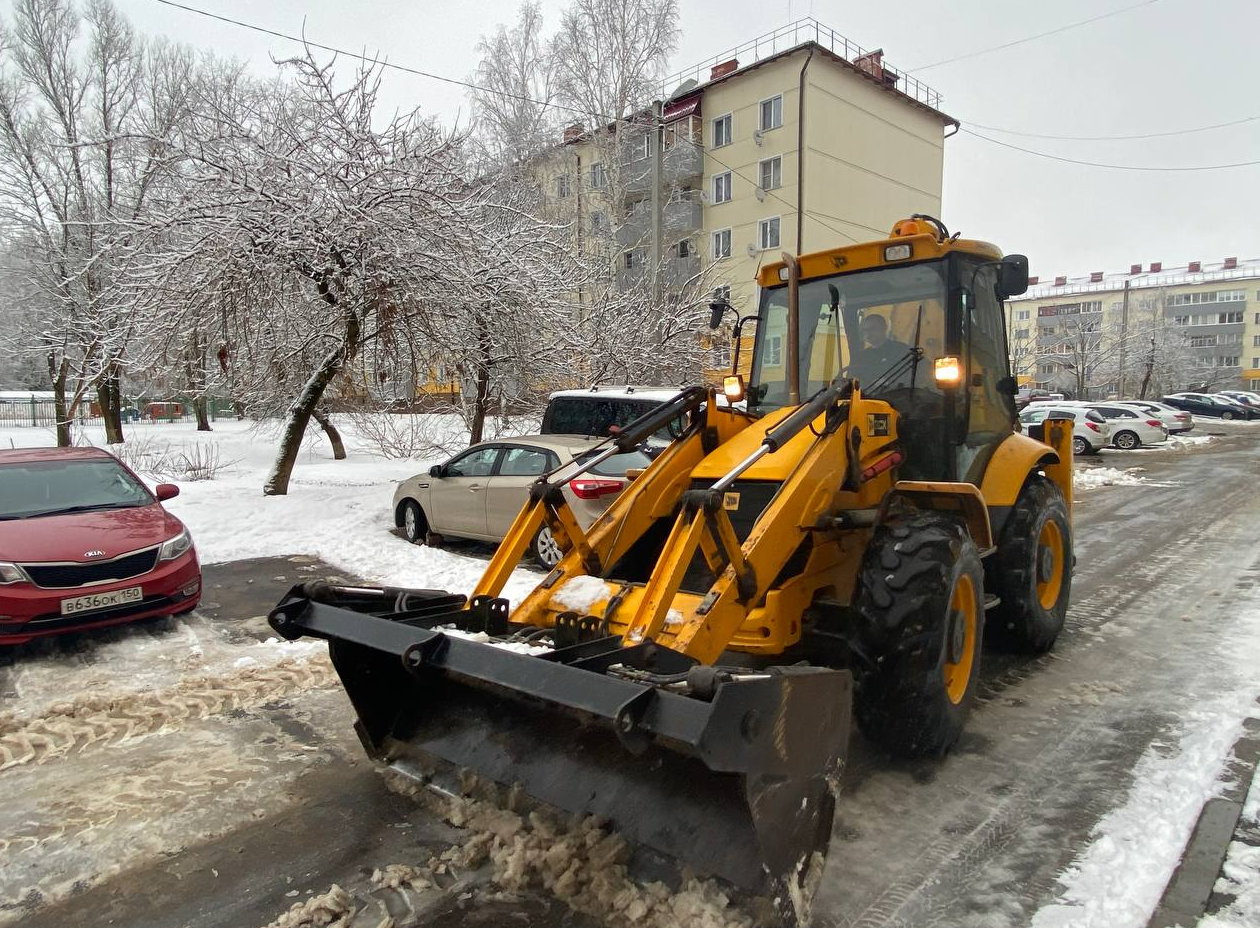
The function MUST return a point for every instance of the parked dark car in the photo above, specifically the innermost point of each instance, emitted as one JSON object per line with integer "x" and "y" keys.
{"x": 85, "y": 544}
{"x": 1203, "y": 405}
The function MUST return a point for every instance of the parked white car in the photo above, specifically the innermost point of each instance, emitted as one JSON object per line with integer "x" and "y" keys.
{"x": 1175, "y": 420}
{"x": 1131, "y": 427}
{"x": 1090, "y": 432}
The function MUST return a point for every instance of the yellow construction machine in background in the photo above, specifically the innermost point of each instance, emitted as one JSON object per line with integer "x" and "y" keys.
{"x": 838, "y": 536}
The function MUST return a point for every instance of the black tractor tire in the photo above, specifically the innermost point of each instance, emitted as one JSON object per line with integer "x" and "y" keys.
{"x": 921, "y": 600}
{"x": 1031, "y": 571}
{"x": 1080, "y": 446}
{"x": 1126, "y": 440}
{"x": 415, "y": 524}
{"x": 544, "y": 548}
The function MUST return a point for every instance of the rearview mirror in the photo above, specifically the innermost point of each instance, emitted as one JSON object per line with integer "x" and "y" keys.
{"x": 717, "y": 308}
{"x": 436, "y": 471}
{"x": 165, "y": 491}
{"x": 1013, "y": 275}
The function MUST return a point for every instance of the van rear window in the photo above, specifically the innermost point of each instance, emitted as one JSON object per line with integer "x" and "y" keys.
{"x": 580, "y": 415}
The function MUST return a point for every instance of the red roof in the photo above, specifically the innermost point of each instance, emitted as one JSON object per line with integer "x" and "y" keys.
{"x": 27, "y": 455}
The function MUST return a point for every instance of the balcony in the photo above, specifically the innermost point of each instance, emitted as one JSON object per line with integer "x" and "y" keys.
{"x": 682, "y": 162}
{"x": 675, "y": 273}
{"x": 680, "y": 217}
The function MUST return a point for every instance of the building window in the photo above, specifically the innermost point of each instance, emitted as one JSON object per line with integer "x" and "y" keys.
{"x": 722, "y": 243}
{"x": 630, "y": 260}
{"x": 1225, "y": 318}
{"x": 1046, "y": 369}
{"x": 720, "y": 356}
{"x": 562, "y": 186}
{"x": 1021, "y": 334}
{"x": 722, "y": 187}
{"x": 770, "y": 173}
{"x": 771, "y": 113}
{"x": 768, "y": 233}
{"x": 1024, "y": 314}
{"x": 1093, "y": 306}
{"x": 599, "y": 224}
{"x": 683, "y": 248}
{"x": 643, "y": 149}
{"x": 598, "y": 178}
{"x": 722, "y": 293}
{"x": 721, "y": 131}
{"x": 1255, "y": 384}
{"x": 1255, "y": 341}
{"x": 1202, "y": 341}
{"x": 1228, "y": 361}
{"x": 1255, "y": 362}
{"x": 774, "y": 351}
{"x": 1258, "y": 314}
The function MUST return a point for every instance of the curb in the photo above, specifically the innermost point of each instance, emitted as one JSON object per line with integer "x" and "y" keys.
{"x": 1186, "y": 897}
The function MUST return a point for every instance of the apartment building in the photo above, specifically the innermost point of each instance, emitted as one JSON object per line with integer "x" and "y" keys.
{"x": 798, "y": 140}
{"x": 1197, "y": 326}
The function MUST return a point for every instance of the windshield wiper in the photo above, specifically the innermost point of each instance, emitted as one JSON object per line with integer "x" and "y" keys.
{"x": 86, "y": 508}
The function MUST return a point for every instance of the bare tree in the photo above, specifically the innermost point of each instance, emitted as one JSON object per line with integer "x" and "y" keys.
{"x": 513, "y": 115}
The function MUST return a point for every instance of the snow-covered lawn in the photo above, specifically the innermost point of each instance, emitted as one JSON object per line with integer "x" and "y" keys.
{"x": 338, "y": 511}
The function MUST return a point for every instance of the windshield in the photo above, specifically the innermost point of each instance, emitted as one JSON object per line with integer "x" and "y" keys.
{"x": 862, "y": 325}
{"x": 580, "y": 415}
{"x": 49, "y": 487}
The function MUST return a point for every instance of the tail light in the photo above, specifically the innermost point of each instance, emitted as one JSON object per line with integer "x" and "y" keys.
{"x": 1154, "y": 423}
{"x": 1092, "y": 426}
{"x": 593, "y": 489}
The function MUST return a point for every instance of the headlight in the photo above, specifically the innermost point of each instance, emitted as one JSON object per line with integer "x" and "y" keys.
{"x": 176, "y": 546}
{"x": 10, "y": 573}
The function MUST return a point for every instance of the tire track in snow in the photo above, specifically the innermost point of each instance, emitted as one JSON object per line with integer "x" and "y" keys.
{"x": 111, "y": 719}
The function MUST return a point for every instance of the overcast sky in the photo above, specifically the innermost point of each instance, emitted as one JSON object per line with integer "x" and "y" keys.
{"x": 1167, "y": 65}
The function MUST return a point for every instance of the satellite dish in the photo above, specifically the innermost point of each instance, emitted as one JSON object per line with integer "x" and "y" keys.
{"x": 752, "y": 250}
{"x": 761, "y": 194}
{"x": 688, "y": 85}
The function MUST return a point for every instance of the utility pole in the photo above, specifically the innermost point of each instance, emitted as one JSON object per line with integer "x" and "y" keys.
{"x": 657, "y": 139}
{"x": 1124, "y": 336}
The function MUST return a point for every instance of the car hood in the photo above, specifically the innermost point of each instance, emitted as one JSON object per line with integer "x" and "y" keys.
{"x": 69, "y": 537}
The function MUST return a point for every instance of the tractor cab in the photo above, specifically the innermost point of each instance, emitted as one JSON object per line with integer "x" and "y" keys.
{"x": 916, "y": 320}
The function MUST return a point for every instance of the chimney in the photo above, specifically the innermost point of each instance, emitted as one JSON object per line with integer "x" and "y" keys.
{"x": 1095, "y": 277}
{"x": 1157, "y": 266}
{"x": 723, "y": 69}
{"x": 1195, "y": 267}
{"x": 573, "y": 133}
{"x": 1033, "y": 280}
{"x": 872, "y": 63}
{"x": 1135, "y": 269}
{"x": 1231, "y": 264}
{"x": 1060, "y": 281}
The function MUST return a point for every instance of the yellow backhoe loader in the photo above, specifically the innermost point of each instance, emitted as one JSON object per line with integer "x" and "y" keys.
{"x": 834, "y": 538}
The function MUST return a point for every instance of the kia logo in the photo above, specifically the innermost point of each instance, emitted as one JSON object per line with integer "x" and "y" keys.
{"x": 93, "y": 553}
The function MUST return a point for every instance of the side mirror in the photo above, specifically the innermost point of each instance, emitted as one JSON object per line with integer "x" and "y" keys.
{"x": 716, "y": 312}
{"x": 1008, "y": 385}
{"x": 165, "y": 491}
{"x": 1013, "y": 275}
{"x": 436, "y": 471}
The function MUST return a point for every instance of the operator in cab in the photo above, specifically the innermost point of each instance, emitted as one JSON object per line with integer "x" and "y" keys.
{"x": 879, "y": 355}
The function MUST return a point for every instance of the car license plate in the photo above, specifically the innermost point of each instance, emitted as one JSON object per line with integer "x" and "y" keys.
{"x": 94, "y": 601}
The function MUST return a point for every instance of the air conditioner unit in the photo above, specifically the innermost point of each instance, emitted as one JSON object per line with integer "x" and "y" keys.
{"x": 757, "y": 136}
{"x": 761, "y": 193}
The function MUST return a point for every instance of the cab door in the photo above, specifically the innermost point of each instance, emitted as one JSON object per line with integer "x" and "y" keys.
{"x": 457, "y": 499}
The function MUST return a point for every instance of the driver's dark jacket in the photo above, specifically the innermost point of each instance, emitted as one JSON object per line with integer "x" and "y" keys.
{"x": 869, "y": 364}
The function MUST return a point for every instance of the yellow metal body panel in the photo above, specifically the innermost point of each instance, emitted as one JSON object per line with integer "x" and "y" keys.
{"x": 965, "y": 499}
{"x": 1015, "y": 458}
{"x": 867, "y": 255}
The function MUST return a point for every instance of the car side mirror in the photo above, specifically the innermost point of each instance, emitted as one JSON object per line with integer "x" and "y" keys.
{"x": 1013, "y": 275}
{"x": 1008, "y": 385}
{"x": 437, "y": 471}
{"x": 165, "y": 491}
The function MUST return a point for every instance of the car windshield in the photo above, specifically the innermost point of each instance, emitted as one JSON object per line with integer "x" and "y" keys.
{"x": 44, "y": 488}
{"x": 861, "y": 324}
{"x": 618, "y": 464}
{"x": 595, "y": 415}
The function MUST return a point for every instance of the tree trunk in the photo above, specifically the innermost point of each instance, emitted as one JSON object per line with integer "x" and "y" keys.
{"x": 109, "y": 396}
{"x": 239, "y": 408}
{"x": 58, "y": 374}
{"x": 277, "y": 483}
{"x": 195, "y": 373}
{"x": 482, "y": 395}
{"x": 199, "y": 409}
{"x": 334, "y": 437}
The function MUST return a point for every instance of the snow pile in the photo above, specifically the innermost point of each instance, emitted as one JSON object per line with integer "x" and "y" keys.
{"x": 581, "y": 594}
{"x": 580, "y": 863}
{"x": 519, "y": 647}
{"x": 1241, "y": 881}
{"x": 1188, "y": 442}
{"x": 1089, "y": 478}
{"x": 327, "y": 908}
{"x": 673, "y": 617}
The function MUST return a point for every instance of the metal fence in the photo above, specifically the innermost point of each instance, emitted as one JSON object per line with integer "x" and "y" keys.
{"x": 35, "y": 413}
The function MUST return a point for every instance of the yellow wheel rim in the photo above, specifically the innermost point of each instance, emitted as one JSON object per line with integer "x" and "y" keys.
{"x": 960, "y": 639}
{"x": 1049, "y": 564}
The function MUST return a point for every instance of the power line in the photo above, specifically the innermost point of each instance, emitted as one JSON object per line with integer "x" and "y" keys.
{"x": 1033, "y": 38}
{"x": 1114, "y": 167}
{"x": 469, "y": 85}
{"x": 1115, "y": 138}
{"x": 301, "y": 40}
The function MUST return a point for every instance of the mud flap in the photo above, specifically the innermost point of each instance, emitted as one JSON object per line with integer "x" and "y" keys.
{"x": 740, "y": 787}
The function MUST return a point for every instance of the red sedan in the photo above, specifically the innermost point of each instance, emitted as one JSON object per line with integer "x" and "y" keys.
{"x": 85, "y": 544}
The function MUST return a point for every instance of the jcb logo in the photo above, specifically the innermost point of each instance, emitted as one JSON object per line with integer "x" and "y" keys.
{"x": 730, "y": 501}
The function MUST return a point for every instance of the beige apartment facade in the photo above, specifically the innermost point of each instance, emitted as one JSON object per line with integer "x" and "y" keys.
{"x": 798, "y": 141}
{"x": 1198, "y": 324}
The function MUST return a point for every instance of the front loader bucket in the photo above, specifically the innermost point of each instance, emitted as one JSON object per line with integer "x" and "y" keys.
{"x": 740, "y": 786}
